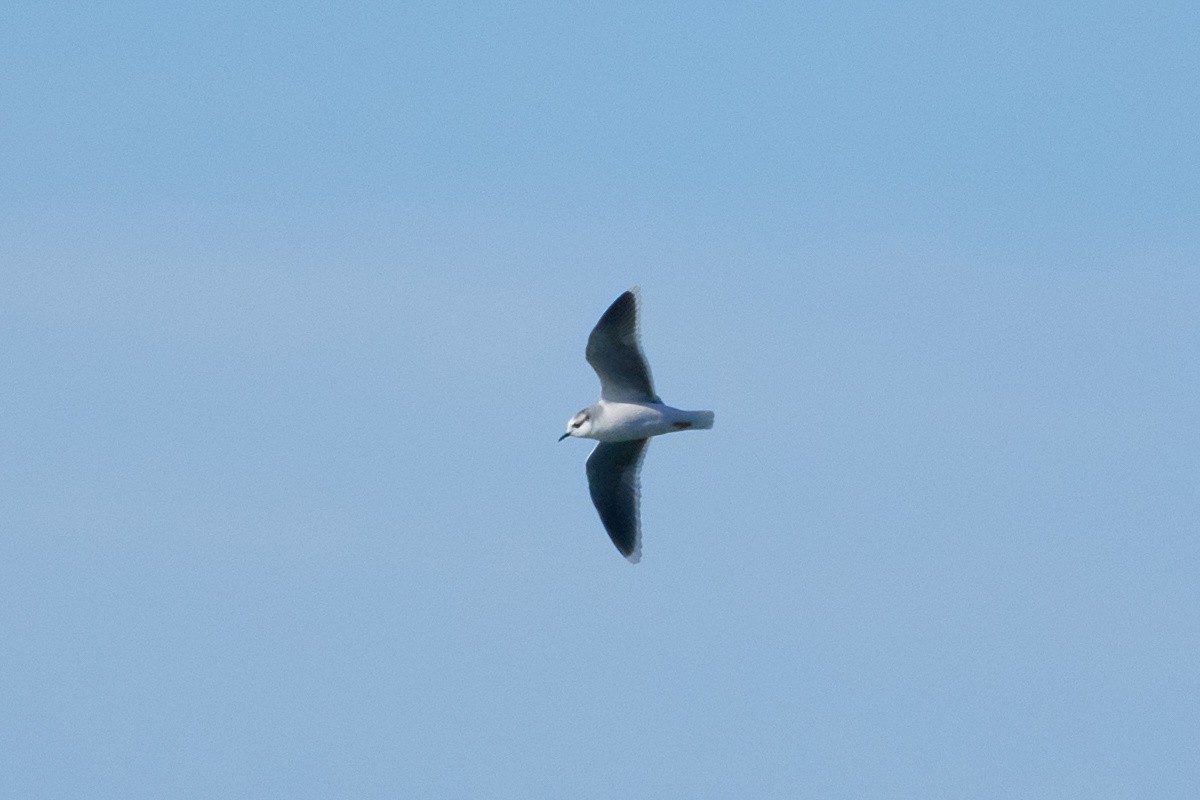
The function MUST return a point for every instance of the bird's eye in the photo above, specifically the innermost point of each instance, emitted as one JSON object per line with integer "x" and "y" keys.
{"x": 576, "y": 424}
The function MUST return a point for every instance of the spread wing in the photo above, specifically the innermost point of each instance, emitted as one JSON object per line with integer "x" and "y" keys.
{"x": 614, "y": 352}
{"x": 612, "y": 471}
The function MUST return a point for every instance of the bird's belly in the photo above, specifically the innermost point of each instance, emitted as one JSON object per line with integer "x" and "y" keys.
{"x": 622, "y": 422}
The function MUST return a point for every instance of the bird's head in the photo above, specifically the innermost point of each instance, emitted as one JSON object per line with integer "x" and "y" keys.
{"x": 579, "y": 425}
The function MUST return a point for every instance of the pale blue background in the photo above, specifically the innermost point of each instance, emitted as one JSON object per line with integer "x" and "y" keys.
{"x": 293, "y": 301}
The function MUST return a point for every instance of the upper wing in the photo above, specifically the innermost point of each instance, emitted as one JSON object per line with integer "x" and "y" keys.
{"x": 612, "y": 471}
{"x": 614, "y": 352}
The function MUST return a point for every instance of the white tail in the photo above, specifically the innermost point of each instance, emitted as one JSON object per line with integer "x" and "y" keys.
{"x": 701, "y": 420}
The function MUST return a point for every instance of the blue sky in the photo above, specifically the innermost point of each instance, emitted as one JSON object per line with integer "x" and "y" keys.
{"x": 293, "y": 301}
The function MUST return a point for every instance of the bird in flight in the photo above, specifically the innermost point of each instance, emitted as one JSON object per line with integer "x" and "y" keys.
{"x": 628, "y": 414}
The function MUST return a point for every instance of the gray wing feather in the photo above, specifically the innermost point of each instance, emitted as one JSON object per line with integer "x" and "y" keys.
{"x": 614, "y": 352}
{"x": 612, "y": 471}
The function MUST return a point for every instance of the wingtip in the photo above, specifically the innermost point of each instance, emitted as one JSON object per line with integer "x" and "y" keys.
{"x": 634, "y": 293}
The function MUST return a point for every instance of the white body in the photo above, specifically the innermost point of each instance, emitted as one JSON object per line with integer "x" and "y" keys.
{"x": 623, "y": 422}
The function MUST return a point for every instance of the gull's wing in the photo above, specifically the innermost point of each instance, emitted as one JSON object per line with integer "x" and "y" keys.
{"x": 614, "y": 352}
{"x": 612, "y": 471}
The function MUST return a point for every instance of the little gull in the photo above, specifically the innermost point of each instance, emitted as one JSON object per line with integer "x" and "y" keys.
{"x": 628, "y": 414}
